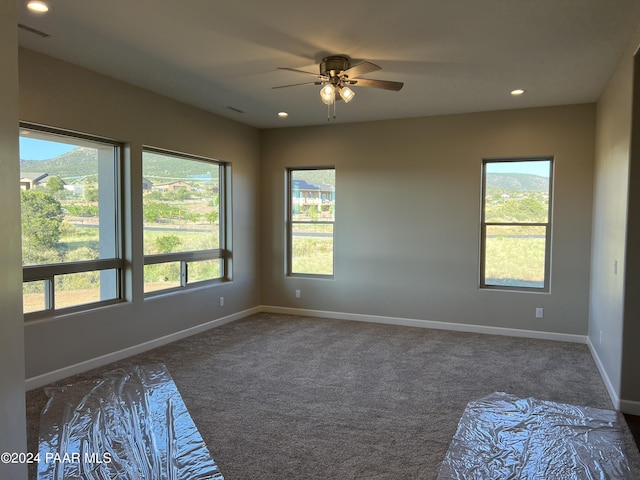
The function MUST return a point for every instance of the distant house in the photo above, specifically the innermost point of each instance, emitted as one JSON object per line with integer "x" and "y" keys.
{"x": 76, "y": 189}
{"x": 147, "y": 185}
{"x": 30, "y": 180}
{"x": 304, "y": 193}
{"x": 171, "y": 186}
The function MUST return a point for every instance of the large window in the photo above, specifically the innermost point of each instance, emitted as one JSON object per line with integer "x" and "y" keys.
{"x": 184, "y": 208}
{"x": 516, "y": 224}
{"x": 71, "y": 235}
{"x": 311, "y": 218}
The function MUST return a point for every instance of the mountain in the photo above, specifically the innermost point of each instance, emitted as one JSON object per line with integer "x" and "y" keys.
{"x": 82, "y": 161}
{"x": 162, "y": 168}
{"x": 317, "y": 177}
{"x": 78, "y": 162}
{"x": 523, "y": 182}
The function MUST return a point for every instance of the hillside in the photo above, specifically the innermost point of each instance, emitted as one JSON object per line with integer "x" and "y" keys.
{"x": 83, "y": 161}
{"x": 78, "y": 162}
{"x": 317, "y": 177}
{"x": 163, "y": 169}
{"x": 520, "y": 182}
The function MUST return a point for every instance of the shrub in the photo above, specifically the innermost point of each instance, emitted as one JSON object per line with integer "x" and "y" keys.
{"x": 167, "y": 243}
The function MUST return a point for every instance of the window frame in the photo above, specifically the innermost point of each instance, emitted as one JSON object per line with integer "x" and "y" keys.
{"x": 548, "y": 225}
{"x": 223, "y": 252}
{"x": 289, "y": 224}
{"x": 48, "y": 272}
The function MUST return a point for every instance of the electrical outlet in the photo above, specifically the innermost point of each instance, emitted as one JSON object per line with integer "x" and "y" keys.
{"x": 539, "y": 312}
{"x": 298, "y": 294}
{"x": 615, "y": 267}
{"x": 600, "y": 339}
{"x": 222, "y": 301}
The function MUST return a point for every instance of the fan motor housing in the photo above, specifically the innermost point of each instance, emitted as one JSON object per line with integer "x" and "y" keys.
{"x": 335, "y": 63}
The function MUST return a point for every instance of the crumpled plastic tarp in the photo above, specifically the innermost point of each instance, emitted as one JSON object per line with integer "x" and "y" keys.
{"x": 505, "y": 437}
{"x": 128, "y": 424}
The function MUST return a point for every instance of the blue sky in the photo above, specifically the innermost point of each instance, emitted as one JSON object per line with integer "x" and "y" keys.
{"x": 532, "y": 167}
{"x": 33, "y": 149}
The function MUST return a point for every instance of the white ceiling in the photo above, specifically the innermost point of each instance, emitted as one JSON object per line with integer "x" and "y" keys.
{"x": 454, "y": 56}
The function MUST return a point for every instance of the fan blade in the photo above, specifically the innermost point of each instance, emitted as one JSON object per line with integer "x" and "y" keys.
{"x": 361, "y": 69}
{"x": 301, "y": 71}
{"x": 385, "y": 84}
{"x": 296, "y": 84}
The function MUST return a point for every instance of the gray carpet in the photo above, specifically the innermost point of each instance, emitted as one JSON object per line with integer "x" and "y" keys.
{"x": 289, "y": 397}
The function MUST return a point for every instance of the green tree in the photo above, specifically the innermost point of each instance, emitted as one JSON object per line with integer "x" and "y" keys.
{"x": 526, "y": 210}
{"x": 182, "y": 194}
{"x": 157, "y": 212}
{"x": 313, "y": 213}
{"x": 42, "y": 218}
{"x": 91, "y": 194}
{"x": 67, "y": 229}
{"x": 167, "y": 243}
{"x": 55, "y": 184}
{"x": 212, "y": 216}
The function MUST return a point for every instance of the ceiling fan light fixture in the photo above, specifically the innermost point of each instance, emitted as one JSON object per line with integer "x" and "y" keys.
{"x": 328, "y": 93}
{"x": 347, "y": 94}
{"x": 337, "y": 75}
{"x": 37, "y": 6}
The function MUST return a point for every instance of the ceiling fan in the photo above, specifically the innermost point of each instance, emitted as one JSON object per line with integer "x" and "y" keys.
{"x": 337, "y": 75}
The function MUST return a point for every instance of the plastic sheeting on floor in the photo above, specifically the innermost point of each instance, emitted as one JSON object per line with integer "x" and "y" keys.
{"x": 127, "y": 424}
{"x": 505, "y": 437}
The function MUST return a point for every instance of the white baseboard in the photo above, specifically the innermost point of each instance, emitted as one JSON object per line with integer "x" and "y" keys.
{"x": 627, "y": 406}
{"x": 46, "y": 378}
{"x": 613, "y": 394}
{"x": 630, "y": 406}
{"x": 412, "y": 322}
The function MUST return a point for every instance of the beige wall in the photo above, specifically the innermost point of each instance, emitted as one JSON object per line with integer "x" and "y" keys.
{"x": 607, "y": 290}
{"x": 407, "y": 216}
{"x": 12, "y": 409}
{"x": 630, "y": 389}
{"x": 62, "y": 95}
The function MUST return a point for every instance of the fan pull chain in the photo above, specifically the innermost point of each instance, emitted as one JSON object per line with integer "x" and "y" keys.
{"x": 329, "y": 110}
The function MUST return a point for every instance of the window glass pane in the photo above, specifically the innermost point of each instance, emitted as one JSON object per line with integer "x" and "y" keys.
{"x": 161, "y": 276}
{"x": 515, "y": 256}
{"x": 181, "y": 204}
{"x": 33, "y": 296}
{"x": 312, "y": 199}
{"x": 70, "y": 189}
{"x": 68, "y": 199}
{"x": 312, "y": 248}
{"x": 87, "y": 287}
{"x": 517, "y": 192}
{"x": 204, "y": 270}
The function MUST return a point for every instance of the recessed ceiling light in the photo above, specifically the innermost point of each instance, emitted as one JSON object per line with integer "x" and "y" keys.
{"x": 517, "y": 92}
{"x": 37, "y": 6}
{"x": 283, "y": 114}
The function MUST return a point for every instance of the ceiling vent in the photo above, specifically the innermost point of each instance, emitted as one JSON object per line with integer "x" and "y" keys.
{"x": 35, "y": 31}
